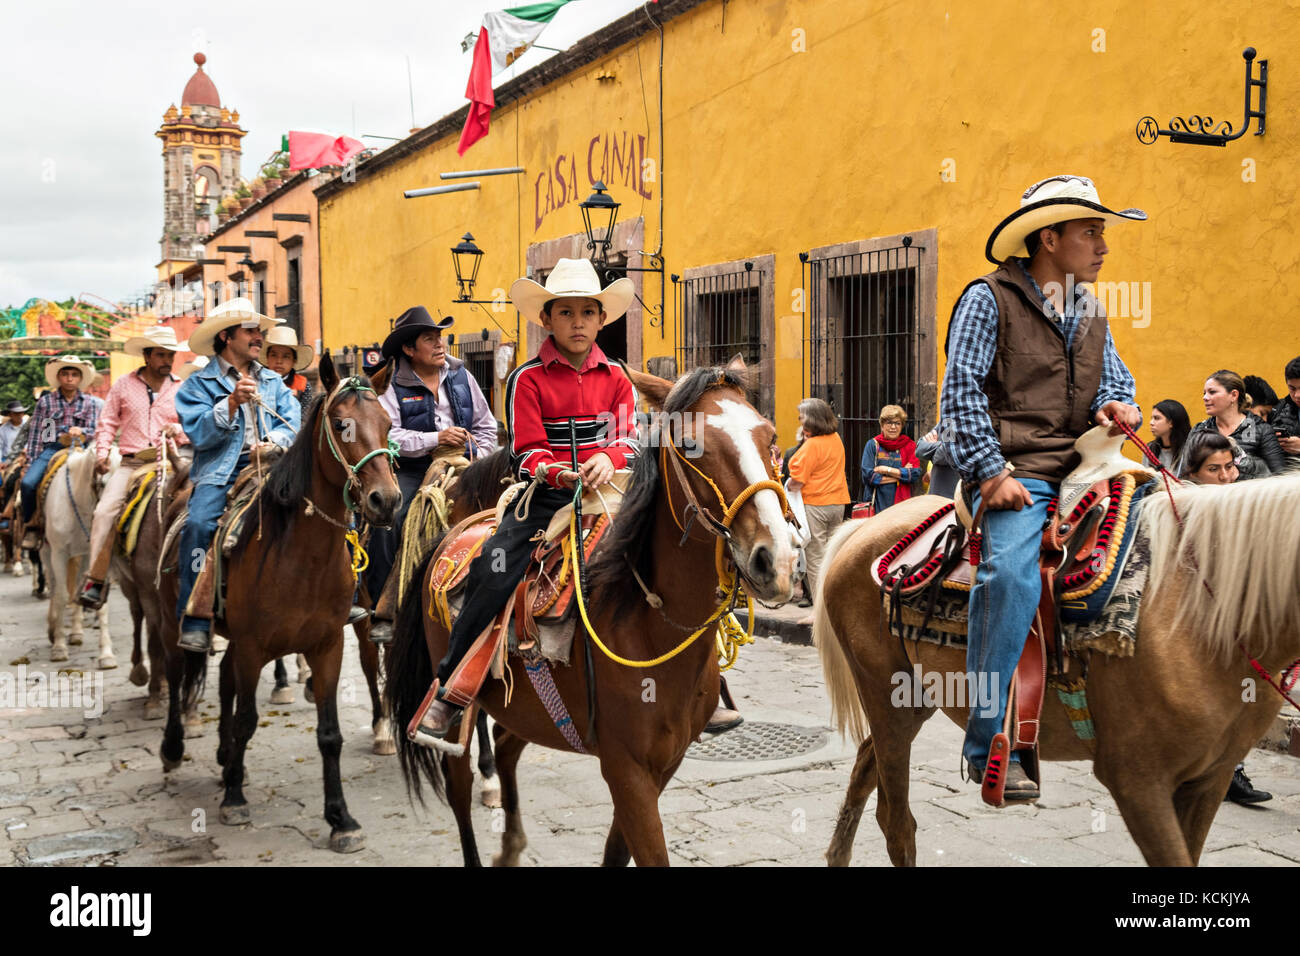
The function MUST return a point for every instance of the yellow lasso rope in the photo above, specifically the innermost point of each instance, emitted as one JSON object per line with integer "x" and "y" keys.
{"x": 360, "y": 560}
{"x": 728, "y": 645}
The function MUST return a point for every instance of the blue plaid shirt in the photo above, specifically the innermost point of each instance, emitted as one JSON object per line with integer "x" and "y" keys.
{"x": 60, "y": 416}
{"x": 972, "y": 345}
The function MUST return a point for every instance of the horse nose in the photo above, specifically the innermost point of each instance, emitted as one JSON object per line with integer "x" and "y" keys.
{"x": 762, "y": 567}
{"x": 383, "y": 504}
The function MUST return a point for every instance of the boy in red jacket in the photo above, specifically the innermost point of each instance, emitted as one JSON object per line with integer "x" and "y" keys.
{"x": 570, "y": 379}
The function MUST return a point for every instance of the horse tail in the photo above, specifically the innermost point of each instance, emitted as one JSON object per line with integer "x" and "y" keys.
{"x": 847, "y": 712}
{"x": 410, "y": 674}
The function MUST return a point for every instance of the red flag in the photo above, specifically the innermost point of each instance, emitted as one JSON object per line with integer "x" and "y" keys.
{"x": 312, "y": 150}
{"x": 479, "y": 93}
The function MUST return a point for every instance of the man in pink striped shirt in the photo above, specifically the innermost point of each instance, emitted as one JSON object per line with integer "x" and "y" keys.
{"x": 139, "y": 410}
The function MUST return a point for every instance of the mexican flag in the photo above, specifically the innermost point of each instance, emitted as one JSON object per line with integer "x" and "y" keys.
{"x": 311, "y": 149}
{"x": 502, "y": 39}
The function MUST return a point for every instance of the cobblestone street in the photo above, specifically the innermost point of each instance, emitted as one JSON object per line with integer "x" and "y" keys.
{"x": 78, "y": 789}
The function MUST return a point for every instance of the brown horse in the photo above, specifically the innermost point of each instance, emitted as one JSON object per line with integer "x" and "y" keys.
{"x": 643, "y": 718}
{"x": 290, "y": 582}
{"x": 1171, "y": 722}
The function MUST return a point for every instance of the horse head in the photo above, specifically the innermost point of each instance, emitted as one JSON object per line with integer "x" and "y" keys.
{"x": 355, "y": 427}
{"x": 715, "y": 451}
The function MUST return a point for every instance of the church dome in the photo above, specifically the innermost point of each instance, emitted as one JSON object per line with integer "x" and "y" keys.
{"x": 200, "y": 90}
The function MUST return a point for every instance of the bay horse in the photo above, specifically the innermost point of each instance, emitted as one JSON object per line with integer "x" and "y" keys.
{"x": 10, "y": 539}
{"x": 137, "y": 575}
{"x": 644, "y": 717}
{"x": 69, "y": 506}
{"x": 1172, "y": 721}
{"x": 290, "y": 584}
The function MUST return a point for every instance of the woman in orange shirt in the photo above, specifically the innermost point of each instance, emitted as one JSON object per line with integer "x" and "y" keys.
{"x": 817, "y": 469}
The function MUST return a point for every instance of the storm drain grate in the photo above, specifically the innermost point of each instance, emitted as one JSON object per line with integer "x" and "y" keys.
{"x": 759, "y": 741}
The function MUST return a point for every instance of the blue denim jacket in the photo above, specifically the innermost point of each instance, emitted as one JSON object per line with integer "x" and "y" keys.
{"x": 217, "y": 445}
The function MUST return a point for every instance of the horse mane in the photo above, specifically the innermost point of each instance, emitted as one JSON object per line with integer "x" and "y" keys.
{"x": 480, "y": 482}
{"x": 607, "y": 576}
{"x": 1243, "y": 540}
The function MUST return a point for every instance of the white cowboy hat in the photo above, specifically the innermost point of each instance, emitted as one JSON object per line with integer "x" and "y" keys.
{"x": 88, "y": 373}
{"x": 227, "y": 315}
{"x": 284, "y": 336}
{"x": 1046, "y": 203}
{"x": 571, "y": 277}
{"x": 189, "y": 368}
{"x": 158, "y": 337}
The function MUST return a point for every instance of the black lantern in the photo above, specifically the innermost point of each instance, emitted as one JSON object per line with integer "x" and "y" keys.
{"x": 466, "y": 258}
{"x": 599, "y": 212}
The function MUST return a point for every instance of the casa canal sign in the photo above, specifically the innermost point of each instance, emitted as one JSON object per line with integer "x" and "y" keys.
{"x": 616, "y": 157}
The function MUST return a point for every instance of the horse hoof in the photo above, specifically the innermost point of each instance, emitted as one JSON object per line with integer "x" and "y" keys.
{"x": 347, "y": 841}
{"x": 235, "y": 815}
{"x": 154, "y": 710}
{"x": 170, "y": 765}
{"x": 59, "y": 652}
{"x": 75, "y": 640}
{"x": 282, "y": 695}
{"x": 491, "y": 795}
{"x": 108, "y": 663}
{"x": 193, "y": 728}
{"x": 139, "y": 675}
{"x": 385, "y": 746}
{"x": 304, "y": 672}
{"x": 307, "y": 692}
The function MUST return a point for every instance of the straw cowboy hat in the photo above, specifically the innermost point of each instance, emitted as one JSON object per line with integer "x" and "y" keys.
{"x": 408, "y": 326}
{"x": 571, "y": 277}
{"x": 158, "y": 337}
{"x": 225, "y": 316}
{"x": 1046, "y": 203}
{"x": 88, "y": 373}
{"x": 189, "y": 368}
{"x": 284, "y": 336}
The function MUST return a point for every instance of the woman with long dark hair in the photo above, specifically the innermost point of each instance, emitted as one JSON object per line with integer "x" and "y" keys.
{"x": 1170, "y": 425}
{"x": 1226, "y": 400}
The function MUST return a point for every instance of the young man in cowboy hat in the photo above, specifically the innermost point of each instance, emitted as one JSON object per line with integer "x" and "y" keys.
{"x": 437, "y": 409}
{"x": 284, "y": 356}
{"x": 64, "y": 410}
{"x": 14, "y": 418}
{"x": 139, "y": 410}
{"x": 1031, "y": 367}
{"x": 570, "y": 380}
{"x": 229, "y": 408}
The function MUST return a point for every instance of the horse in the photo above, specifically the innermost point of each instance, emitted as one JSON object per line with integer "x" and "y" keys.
{"x": 682, "y": 553}
{"x": 69, "y": 504}
{"x": 1171, "y": 722}
{"x": 290, "y": 582}
{"x": 137, "y": 576}
{"x": 10, "y": 540}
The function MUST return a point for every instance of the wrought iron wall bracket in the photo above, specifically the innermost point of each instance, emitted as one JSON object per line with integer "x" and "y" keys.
{"x": 1202, "y": 130}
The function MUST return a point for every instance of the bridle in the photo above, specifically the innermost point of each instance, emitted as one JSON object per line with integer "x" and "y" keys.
{"x": 346, "y": 386}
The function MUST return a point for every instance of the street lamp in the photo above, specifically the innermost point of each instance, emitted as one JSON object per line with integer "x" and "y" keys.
{"x": 599, "y": 212}
{"x": 465, "y": 257}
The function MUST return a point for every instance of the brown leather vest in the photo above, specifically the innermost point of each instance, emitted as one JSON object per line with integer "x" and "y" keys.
{"x": 1041, "y": 393}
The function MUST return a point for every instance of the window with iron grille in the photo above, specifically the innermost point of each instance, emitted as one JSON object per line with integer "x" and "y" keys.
{"x": 870, "y": 333}
{"x": 479, "y": 356}
{"x": 727, "y": 310}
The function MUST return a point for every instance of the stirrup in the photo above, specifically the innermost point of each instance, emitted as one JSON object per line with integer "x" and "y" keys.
{"x": 432, "y": 734}
{"x": 995, "y": 771}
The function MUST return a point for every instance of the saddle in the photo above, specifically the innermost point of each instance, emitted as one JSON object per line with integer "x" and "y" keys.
{"x": 139, "y": 493}
{"x": 58, "y": 461}
{"x": 542, "y": 600}
{"x": 1083, "y": 543}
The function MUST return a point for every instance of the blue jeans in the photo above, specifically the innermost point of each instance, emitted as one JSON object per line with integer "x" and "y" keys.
{"x": 1002, "y": 607}
{"x": 32, "y": 480}
{"x": 207, "y": 502}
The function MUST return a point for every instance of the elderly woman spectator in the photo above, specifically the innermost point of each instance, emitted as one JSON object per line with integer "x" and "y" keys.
{"x": 1225, "y": 400}
{"x": 817, "y": 470}
{"x": 889, "y": 462}
{"x": 1170, "y": 426}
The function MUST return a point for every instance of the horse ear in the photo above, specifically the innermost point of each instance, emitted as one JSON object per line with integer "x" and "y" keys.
{"x": 650, "y": 387}
{"x": 737, "y": 363}
{"x": 379, "y": 381}
{"x": 329, "y": 375}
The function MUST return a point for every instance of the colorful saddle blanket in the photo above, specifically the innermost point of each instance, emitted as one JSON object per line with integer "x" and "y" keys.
{"x": 139, "y": 493}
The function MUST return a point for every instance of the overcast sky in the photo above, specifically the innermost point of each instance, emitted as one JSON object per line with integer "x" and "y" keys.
{"x": 83, "y": 87}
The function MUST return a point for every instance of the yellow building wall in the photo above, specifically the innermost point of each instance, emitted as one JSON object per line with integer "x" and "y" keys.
{"x": 794, "y": 125}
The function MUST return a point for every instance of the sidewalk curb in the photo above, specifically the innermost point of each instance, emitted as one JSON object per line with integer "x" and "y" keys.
{"x": 771, "y": 626}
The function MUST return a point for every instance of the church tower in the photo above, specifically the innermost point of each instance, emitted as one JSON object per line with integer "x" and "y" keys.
{"x": 201, "y": 152}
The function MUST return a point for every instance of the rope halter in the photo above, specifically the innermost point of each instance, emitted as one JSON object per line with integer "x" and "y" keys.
{"x": 350, "y": 385}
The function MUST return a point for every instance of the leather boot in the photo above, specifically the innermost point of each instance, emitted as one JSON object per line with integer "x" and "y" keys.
{"x": 93, "y": 594}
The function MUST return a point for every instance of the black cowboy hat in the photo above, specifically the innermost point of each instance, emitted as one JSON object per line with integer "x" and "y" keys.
{"x": 15, "y": 406}
{"x": 408, "y": 326}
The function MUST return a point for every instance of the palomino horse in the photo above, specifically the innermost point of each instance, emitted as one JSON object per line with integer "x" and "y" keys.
{"x": 69, "y": 506}
{"x": 639, "y": 744}
{"x": 1171, "y": 722}
{"x": 290, "y": 582}
{"x": 137, "y": 575}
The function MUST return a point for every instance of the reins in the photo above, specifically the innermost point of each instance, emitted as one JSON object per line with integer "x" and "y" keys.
{"x": 1292, "y": 669}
